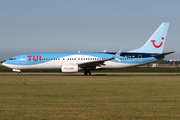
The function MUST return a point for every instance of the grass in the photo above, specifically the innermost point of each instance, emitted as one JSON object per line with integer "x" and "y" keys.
{"x": 98, "y": 98}
{"x": 93, "y": 74}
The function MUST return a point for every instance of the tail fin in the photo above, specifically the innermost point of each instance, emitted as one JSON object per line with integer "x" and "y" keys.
{"x": 156, "y": 42}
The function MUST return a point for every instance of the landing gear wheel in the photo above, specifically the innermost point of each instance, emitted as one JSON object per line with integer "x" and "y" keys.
{"x": 19, "y": 73}
{"x": 87, "y": 72}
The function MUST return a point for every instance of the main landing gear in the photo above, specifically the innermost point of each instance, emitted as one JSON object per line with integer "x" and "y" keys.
{"x": 87, "y": 72}
{"x": 20, "y": 73}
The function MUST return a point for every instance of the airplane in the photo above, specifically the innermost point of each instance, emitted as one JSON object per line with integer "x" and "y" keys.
{"x": 150, "y": 52}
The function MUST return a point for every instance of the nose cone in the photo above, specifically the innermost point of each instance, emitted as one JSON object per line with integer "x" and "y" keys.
{"x": 4, "y": 63}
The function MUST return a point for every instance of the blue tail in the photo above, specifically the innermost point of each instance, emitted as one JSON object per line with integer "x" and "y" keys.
{"x": 156, "y": 42}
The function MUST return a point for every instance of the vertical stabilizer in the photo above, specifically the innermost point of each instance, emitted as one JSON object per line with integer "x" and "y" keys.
{"x": 156, "y": 42}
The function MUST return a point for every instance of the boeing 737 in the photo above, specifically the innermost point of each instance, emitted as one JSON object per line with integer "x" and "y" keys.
{"x": 150, "y": 52}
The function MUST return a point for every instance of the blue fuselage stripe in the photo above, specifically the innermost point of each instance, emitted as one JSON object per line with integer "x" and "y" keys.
{"x": 39, "y": 58}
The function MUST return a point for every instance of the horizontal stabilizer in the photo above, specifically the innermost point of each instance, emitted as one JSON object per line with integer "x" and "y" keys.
{"x": 164, "y": 54}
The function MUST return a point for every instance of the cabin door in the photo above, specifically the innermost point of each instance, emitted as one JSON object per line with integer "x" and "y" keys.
{"x": 23, "y": 59}
{"x": 140, "y": 58}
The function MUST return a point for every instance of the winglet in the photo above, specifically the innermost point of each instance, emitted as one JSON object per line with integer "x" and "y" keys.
{"x": 118, "y": 53}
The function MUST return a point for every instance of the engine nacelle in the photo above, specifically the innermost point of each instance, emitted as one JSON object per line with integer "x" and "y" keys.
{"x": 69, "y": 68}
{"x": 16, "y": 70}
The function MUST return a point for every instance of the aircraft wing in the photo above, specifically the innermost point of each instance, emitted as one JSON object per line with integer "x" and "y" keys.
{"x": 93, "y": 64}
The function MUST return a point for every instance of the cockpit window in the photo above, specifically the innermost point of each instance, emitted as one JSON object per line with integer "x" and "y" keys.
{"x": 12, "y": 59}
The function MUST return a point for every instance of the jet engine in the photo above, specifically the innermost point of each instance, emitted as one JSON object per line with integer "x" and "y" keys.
{"x": 69, "y": 68}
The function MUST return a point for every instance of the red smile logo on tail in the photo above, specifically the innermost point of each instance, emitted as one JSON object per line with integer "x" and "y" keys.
{"x": 157, "y": 46}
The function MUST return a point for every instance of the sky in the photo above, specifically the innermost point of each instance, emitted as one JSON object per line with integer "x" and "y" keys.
{"x": 33, "y": 26}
